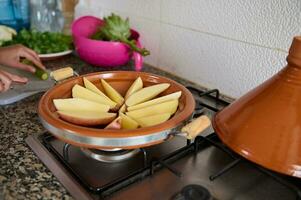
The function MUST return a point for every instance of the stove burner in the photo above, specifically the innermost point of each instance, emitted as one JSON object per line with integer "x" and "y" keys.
{"x": 110, "y": 156}
{"x": 193, "y": 192}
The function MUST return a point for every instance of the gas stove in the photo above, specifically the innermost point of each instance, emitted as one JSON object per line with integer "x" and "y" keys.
{"x": 176, "y": 169}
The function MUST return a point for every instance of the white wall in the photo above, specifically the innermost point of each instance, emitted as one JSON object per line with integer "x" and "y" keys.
{"x": 232, "y": 45}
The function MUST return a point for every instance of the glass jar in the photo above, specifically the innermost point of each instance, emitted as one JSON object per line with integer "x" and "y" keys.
{"x": 46, "y": 15}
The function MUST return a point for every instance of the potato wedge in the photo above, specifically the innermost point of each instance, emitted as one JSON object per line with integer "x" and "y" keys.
{"x": 112, "y": 93}
{"x": 122, "y": 109}
{"x": 172, "y": 96}
{"x": 137, "y": 85}
{"x": 83, "y": 93}
{"x": 87, "y": 118}
{"x": 146, "y": 94}
{"x": 90, "y": 86}
{"x": 79, "y": 105}
{"x": 153, "y": 119}
{"x": 166, "y": 107}
{"x": 127, "y": 122}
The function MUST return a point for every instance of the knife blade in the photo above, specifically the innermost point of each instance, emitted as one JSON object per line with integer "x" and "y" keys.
{"x": 33, "y": 86}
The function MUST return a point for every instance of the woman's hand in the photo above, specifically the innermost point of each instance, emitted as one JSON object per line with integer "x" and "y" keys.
{"x": 7, "y": 78}
{"x": 11, "y": 56}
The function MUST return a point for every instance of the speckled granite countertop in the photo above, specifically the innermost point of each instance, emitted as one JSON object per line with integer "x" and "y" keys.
{"x": 22, "y": 175}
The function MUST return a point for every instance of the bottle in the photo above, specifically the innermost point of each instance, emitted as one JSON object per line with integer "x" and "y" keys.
{"x": 46, "y": 15}
{"x": 15, "y": 13}
{"x": 56, "y": 16}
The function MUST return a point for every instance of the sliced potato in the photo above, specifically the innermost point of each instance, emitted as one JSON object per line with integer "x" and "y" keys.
{"x": 87, "y": 118}
{"x": 127, "y": 122}
{"x": 166, "y": 107}
{"x": 122, "y": 109}
{"x": 112, "y": 93}
{"x": 90, "y": 86}
{"x": 175, "y": 95}
{"x": 81, "y": 92}
{"x": 80, "y": 105}
{"x": 137, "y": 85}
{"x": 146, "y": 94}
{"x": 153, "y": 119}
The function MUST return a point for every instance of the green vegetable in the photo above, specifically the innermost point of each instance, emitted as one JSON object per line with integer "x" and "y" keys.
{"x": 42, "y": 74}
{"x": 42, "y": 42}
{"x": 117, "y": 29}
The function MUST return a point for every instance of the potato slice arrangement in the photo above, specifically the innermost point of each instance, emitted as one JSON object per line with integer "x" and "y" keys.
{"x": 140, "y": 107}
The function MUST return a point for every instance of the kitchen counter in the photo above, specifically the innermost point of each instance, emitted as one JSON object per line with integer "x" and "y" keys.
{"x": 22, "y": 175}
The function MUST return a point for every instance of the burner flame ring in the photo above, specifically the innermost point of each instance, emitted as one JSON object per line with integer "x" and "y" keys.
{"x": 111, "y": 155}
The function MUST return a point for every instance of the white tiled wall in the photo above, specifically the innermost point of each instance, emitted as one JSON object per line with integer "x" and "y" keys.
{"x": 231, "y": 45}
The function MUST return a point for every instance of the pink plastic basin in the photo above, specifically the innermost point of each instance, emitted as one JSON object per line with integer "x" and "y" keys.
{"x": 102, "y": 53}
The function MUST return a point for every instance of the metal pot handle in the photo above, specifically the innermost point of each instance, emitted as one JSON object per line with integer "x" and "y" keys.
{"x": 195, "y": 127}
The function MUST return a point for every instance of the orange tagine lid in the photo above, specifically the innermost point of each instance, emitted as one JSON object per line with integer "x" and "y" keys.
{"x": 264, "y": 125}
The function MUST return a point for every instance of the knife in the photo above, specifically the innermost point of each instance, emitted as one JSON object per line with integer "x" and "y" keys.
{"x": 33, "y": 86}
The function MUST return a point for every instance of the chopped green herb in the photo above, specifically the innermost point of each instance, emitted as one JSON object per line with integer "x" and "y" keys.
{"x": 42, "y": 42}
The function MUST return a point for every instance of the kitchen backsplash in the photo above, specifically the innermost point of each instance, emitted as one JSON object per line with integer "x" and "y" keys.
{"x": 230, "y": 45}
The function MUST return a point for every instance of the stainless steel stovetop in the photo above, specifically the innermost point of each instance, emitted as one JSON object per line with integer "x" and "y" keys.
{"x": 162, "y": 171}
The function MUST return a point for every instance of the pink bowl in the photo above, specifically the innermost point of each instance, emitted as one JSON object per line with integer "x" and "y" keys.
{"x": 101, "y": 53}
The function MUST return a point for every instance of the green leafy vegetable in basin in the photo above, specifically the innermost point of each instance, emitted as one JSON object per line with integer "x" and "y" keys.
{"x": 117, "y": 29}
{"x": 42, "y": 42}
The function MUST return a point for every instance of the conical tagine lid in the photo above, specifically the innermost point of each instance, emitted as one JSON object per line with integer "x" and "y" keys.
{"x": 264, "y": 125}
